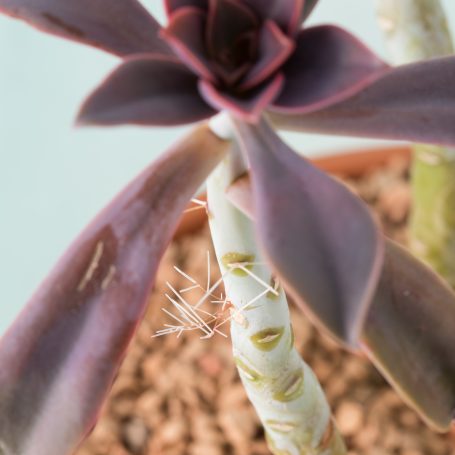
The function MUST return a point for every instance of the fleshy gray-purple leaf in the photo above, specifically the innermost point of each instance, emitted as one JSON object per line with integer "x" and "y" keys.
{"x": 288, "y": 14}
{"x": 328, "y": 65}
{"x": 60, "y": 357}
{"x": 241, "y": 197}
{"x": 409, "y": 334}
{"x": 122, "y": 27}
{"x": 226, "y": 22}
{"x": 172, "y": 6}
{"x": 308, "y": 7}
{"x": 185, "y": 33}
{"x": 414, "y": 102}
{"x": 274, "y": 48}
{"x": 307, "y": 224}
{"x": 146, "y": 90}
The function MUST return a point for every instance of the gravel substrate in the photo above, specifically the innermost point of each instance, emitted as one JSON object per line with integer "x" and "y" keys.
{"x": 179, "y": 396}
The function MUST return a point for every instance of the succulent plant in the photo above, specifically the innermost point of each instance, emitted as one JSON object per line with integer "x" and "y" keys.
{"x": 256, "y": 61}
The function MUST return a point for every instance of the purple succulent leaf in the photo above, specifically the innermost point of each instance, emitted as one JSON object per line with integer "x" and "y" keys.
{"x": 122, "y": 27}
{"x": 146, "y": 90}
{"x": 274, "y": 48}
{"x": 307, "y": 224}
{"x": 172, "y": 6}
{"x": 249, "y": 105}
{"x": 227, "y": 21}
{"x": 409, "y": 332}
{"x": 409, "y": 335}
{"x": 288, "y": 14}
{"x": 328, "y": 65}
{"x": 308, "y": 7}
{"x": 61, "y": 355}
{"x": 231, "y": 76}
{"x": 185, "y": 33}
{"x": 413, "y": 102}
{"x": 241, "y": 196}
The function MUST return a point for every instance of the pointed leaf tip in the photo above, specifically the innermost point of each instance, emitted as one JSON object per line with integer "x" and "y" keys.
{"x": 320, "y": 239}
{"x": 61, "y": 355}
{"x": 146, "y": 90}
{"x": 250, "y": 106}
{"x": 308, "y": 7}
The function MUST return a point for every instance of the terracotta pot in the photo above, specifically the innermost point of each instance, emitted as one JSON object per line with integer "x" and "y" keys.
{"x": 347, "y": 164}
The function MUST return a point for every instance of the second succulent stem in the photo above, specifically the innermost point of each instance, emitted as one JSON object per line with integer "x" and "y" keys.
{"x": 417, "y": 30}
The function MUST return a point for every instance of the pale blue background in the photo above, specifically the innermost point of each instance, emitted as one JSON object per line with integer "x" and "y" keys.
{"x": 54, "y": 178}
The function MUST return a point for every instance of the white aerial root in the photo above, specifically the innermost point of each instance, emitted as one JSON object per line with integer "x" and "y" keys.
{"x": 414, "y": 29}
{"x": 199, "y": 205}
{"x": 193, "y": 317}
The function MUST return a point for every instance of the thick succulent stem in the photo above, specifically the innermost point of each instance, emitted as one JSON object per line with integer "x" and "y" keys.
{"x": 416, "y": 30}
{"x": 284, "y": 390}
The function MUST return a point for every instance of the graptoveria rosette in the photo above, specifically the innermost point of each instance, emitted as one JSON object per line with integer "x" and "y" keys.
{"x": 256, "y": 60}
